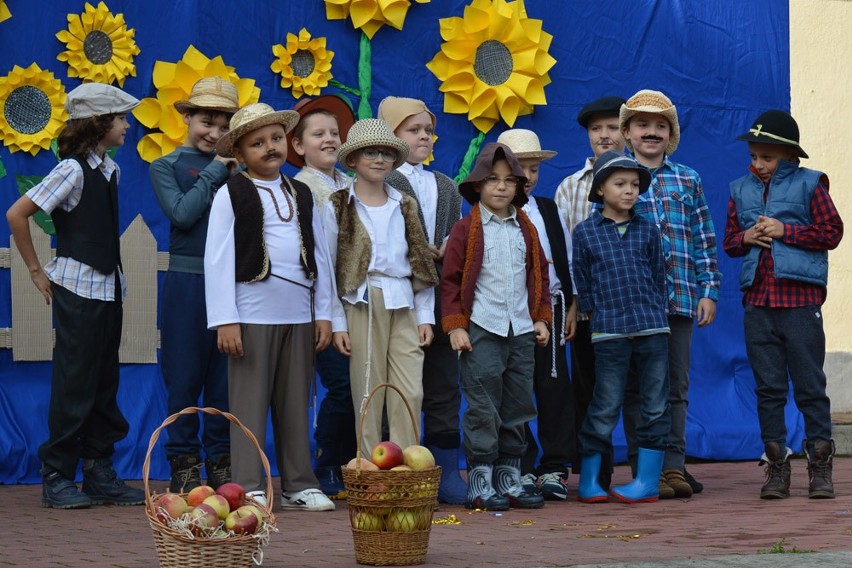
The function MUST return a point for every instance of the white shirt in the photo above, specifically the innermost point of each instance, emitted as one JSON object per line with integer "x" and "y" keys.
{"x": 533, "y": 212}
{"x": 389, "y": 268}
{"x": 426, "y": 188}
{"x": 272, "y": 301}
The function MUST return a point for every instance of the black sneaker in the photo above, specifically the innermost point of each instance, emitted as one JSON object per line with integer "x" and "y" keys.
{"x": 186, "y": 473}
{"x": 58, "y": 492}
{"x": 697, "y": 486}
{"x": 218, "y": 472}
{"x": 104, "y": 487}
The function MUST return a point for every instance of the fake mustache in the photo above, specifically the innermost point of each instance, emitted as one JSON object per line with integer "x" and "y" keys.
{"x": 273, "y": 155}
{"x": 652, "y": 138}
{"x": 605, "y": 142}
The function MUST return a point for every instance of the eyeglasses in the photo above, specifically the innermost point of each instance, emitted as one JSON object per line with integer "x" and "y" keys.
{"x": 374, "y": 153}
{"x": 494, "y": 181}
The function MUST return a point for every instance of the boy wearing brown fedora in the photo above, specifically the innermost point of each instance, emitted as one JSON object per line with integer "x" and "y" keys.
{"x": 439, "y": 206}
{"x": 265, "y": 243}
{"x": 495, "y": 300}
{"x": 782, "y": 222}
{"x": 677, "y": 205}
{"x": 551, "y": 382}
{"x": 184, "y": 182}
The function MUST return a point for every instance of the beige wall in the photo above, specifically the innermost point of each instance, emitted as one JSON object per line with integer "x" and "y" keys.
{"x": 821, "y": 102}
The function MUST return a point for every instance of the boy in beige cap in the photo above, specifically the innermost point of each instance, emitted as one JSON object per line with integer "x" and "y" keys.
{"x": 439, "y": 208}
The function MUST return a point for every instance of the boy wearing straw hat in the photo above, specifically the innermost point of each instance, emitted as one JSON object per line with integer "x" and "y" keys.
{"x": 439, "y": 206}
{"x": 782, "y": 222}
{"x": 184, "y": 182}
{"x": 677, "y": 205}
{"x": 551, "y": 381}
{"x": 268, "y": 288}
{"x": 384, "y": 309}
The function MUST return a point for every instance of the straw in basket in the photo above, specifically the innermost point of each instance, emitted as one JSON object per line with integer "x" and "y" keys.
{"x": 390, "y": 511}
{"x": 182, "y": 549}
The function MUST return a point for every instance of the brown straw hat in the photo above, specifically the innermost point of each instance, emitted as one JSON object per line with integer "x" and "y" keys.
{"x": 211, "y": 93}
{"x": 524, "y": 144}
{"x": 338, "y": 105}
{"x": 654, "y": 102}
{"x": 370, "y": 133}
{"x": 252, "y": 117}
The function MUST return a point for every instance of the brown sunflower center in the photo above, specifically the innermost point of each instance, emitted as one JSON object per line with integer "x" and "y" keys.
{"x": 303, "y": 63}
{"x": 98, "y": 47}
{"x": 27, "y": 109}
{"x": 493, "y": 64}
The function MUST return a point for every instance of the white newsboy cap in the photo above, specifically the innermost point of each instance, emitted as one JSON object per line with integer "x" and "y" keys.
{"x": 94, "y": 99}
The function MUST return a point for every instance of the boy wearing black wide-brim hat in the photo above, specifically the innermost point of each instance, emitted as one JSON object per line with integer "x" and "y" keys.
{"x": 782, "y": 222}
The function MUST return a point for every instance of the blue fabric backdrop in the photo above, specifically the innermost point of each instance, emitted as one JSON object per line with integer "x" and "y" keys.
{"x": 722, "y": 63}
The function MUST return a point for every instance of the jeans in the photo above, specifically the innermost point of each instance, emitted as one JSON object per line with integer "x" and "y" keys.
{"x": 649, "y": 357}
{"x": 782, "y": 341}
{"x": 335, "y": 433}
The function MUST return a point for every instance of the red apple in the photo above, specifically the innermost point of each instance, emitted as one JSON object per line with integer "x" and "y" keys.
{"x": 219, "y": 504}
{"x": 387, "y": 455}
{"x": 233, "y": 493}
{"x": 170, "y": 505}
{"x": 418, "y": 458}
{"x": 198, "y": 495}
{"x": 256, "y": 511}
{"x": 204, "y": 519}
{"x": 366, "y": 465}
{"x": 241, "y": 521}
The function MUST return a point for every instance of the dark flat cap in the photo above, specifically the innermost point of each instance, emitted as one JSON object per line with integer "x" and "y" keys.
{"x": 607, "y": 106}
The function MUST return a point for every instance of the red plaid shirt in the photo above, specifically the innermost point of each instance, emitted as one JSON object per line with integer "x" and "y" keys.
{"x": 824, "y": 233}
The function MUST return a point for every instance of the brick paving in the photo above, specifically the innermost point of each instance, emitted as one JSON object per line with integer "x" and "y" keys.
{"x": 726, "y": 519}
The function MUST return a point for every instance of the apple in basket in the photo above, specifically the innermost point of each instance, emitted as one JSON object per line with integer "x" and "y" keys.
{"x": 233, "y": 493}
{"x": 418, "y": 458}
{"x": 401, "y": 520}
{"x": 170, "y": 505}
{"x": 257, "y": 513}
{"x": 219, "y": 504}
{"x": 204, "y": 519}
{"x": 198, "y": 495}
{"x": 366, "y": 465}
{"x": 365, "y": 521}
{"x": 241, "y": 521}
{"x": 387, "y": 455}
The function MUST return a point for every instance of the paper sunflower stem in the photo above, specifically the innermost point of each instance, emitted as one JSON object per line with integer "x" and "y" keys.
{"x": 470, "y": 156}
{"x": 2, "y": 169}
{"x": 365, "y": 78}
{"x": 337, "y": 84}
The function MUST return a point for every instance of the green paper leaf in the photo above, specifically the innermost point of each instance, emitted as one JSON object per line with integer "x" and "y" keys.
{"x": 42, "y": 219}
{"x": 337, "y": 84}
{"x": 111, "y": 152}
{"x": 54, "y": 147}
{"x": 2, "y": 169}
{"x": 470, "y": 157}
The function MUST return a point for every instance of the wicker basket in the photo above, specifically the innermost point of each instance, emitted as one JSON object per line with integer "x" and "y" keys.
{"x": 178, "y": 550}
{"x": 390, "y": 511}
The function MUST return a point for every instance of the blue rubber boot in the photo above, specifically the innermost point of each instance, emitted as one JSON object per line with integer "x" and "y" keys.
{"x": 453, "y": 489}
{"x": 590, "y": 489}
{"x": 645, "y": 487}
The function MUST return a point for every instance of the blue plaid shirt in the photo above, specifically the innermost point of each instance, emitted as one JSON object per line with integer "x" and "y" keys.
{"x": 675, "y": 202}
{"x": 621, "y": 279}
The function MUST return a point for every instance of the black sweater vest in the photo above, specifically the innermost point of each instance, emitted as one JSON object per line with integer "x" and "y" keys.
{"x": 553, "y": 227}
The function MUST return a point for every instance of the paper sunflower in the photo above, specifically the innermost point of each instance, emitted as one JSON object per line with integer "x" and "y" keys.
{"x": 100, "y": 47}
{"x": 370, "y": 15}
{"x": 33, "y": 110}
{"x": 5, "y": 14}
{"x": 174, "y": 82}
{"x": 304, "y": 64}
{"x": 493, "y": 62}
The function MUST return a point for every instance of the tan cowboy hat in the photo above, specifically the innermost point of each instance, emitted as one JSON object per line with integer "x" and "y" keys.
{"x": 369, "y": 133}
{"x": 211, "y": 93}
{"x": 524, "y": 144}
{"x": 654, "y": 102}
{"x": 252, "y": 117}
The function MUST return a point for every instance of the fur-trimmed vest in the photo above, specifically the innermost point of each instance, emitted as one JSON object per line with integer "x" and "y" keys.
{"x": 252, "y": 258}
{"x": 449, "y": 202}
{"x": 354, "y": 246}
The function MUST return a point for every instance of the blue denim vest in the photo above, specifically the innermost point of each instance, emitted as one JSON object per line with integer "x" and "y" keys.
{"x": 789, "y": 200}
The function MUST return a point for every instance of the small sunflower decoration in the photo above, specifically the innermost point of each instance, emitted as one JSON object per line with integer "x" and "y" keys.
{"x": 5, "y": 14}
{"x": 304, "y": 64}
{"x": 370, "y": 15}
{"x": 174, "y": 82}
{"x": 33, "y": 109}
{"x": 100, "y": 47}
{"x": 493, "y": 62}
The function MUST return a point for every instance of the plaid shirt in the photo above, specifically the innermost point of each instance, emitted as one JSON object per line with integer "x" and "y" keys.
{"x": 572, "y": 195}
{"x": 675, "y": 202}
{"x": 620, "y": 278}
{"x": 824, "y": 233}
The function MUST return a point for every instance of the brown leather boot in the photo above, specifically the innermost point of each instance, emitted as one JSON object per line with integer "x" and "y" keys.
{"x": 819, "y": 469}
{"x": 666, "y": 492}
{"x": 777, "y": 462}
{"x": 678, "y": 483}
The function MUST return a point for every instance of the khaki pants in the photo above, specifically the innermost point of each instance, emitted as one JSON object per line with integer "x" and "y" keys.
{"x": 396, "y": 359}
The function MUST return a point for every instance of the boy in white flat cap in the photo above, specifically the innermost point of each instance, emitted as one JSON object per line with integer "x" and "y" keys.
{"x": 86, "y": 285}
{"x": 268, "y": 287}
{"x": 551, "y": 381}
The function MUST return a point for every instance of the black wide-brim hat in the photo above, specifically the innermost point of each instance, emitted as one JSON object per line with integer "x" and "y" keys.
{"x": 491, "y": 153}
{"x": 775, "y": 127}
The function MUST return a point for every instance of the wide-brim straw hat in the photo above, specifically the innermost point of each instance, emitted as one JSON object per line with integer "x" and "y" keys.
{"x": 608, "y": 163}
{"x": 372, "y": 133}
{"x": 482, "y": 169}
{"x": 524, "y": 144}
{"x": 653, "y": 102}
{"x": 337, "y": 105}
{"x": 775, "y": 127}
{"x": 211, "y": 93}
{"x": 252, "y": 117}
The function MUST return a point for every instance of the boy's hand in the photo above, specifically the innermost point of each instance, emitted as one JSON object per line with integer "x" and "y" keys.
{"x": 770, "y": 227}
{"x": 442, "y": 250}
{"x": 435, "y": 252}
{"x": 706, "y": 311}
{"x": 322, "y": 334}
{"x": 426, "y": 334}
{"x": 230, "y": 340}
{"x": 230, "y": 163}
{"x": 460, "y": 340}
{"x": 42, "y": 283}
{"x": 342, "y": 343}
{"x": 570, "y": 323}
{"x": 542, "y": 335}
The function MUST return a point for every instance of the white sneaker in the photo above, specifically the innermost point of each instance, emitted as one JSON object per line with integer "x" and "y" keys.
{"x": 258, "y": 497}
{"x": 528, "y": 483}
{"x": 306, "y": 500}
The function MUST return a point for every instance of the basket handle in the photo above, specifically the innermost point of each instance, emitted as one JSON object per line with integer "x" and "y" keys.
{"x": 414, "y": 425}
{"x": 146, "y": 467}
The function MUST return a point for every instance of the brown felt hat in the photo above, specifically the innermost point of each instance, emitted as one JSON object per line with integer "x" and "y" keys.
{"x": 338, "y": 105}
{"x": 211, "y": 93}
{"x": 482, "y": 169}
